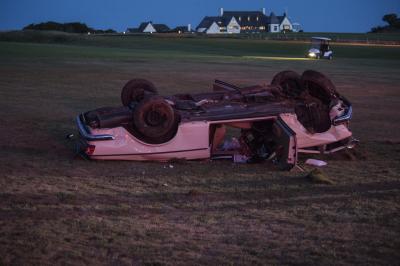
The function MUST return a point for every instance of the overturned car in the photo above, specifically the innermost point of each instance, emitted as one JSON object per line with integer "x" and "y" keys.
{"x": 294, "y": 114}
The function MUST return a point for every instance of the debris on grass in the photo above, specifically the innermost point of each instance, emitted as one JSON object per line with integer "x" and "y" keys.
{"x": 357, "y": 154}
{"x": 194, "y": 193}
{"x": 300, "y": 168}
{"x": 319, "y": 177}
{"x": 239, "y": 158}
{"x": 316, "y": 162}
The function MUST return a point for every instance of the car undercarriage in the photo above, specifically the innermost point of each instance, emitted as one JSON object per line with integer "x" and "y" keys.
{"x": 276, "y": 121}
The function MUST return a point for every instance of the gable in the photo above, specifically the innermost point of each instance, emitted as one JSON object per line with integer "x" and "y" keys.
{"x": 285, "y": 21}
{"x": 214, "y": 28}
{"x": 149, "y": 28}
{"x": 233, "y": 22}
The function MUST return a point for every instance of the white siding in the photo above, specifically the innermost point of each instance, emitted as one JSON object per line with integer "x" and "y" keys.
{"x": 149, "y": 28}
{"x": 286, "y": 23}
{"x": 274, "y": 27}
{"x": 233, "y": 26}
{"x": 213, "y": 29}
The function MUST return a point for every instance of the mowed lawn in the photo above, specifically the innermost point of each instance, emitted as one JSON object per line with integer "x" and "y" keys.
{"x": 56, "y": 208}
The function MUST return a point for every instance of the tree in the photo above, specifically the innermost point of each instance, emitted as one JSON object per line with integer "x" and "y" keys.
{"x": 72, "y": 27}
{"x": 390, "y": 19}
{"x": 393, "y": 24}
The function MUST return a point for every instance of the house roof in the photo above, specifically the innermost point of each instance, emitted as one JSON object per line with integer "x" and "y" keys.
{"x": 273, "y": 19}
{"x": 244, "y": 18}
{"x": 161, "y": 27}
{"x": 247, "y": 18}
{"x": 242, "y": 13}
{"x": 208, "y": 21}
{"x": 143, "y": 25}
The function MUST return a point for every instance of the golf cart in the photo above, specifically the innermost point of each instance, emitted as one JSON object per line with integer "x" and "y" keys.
{"x": 320, "y": 48}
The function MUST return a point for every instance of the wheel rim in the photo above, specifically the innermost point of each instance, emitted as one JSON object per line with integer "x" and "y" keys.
{"x": 154, "y": 118}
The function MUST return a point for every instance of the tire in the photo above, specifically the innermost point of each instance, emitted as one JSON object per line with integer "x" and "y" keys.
{"x": 135, "y": 90}
{"x": 316, "y": 115}
{"x": 289, "y": 82}
{"x": 330, "y": 57}
{"x": 319, "y": 86}
{"x": 155, "y": 119}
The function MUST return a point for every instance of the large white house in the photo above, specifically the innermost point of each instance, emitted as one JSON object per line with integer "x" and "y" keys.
{"x": 149, "y": 27}
{"x": 244, "y": 21}
{"x": 212, "y": 25}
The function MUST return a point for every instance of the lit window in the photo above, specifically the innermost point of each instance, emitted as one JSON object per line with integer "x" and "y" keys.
{"x": 240, "y": 18}
{"x": 257, "y": 18}
{"x": 248, "y": 18}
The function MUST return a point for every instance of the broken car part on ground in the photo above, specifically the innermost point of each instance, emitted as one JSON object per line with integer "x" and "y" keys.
{"x": 294, "y": 114}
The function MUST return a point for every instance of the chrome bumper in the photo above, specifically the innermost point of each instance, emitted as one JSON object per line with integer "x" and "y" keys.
{"x": 85, "y": 132}
{"x": 322, "y": 149}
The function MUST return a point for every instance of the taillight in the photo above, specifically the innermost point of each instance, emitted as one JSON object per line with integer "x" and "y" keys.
{"x": 90, "y": 149}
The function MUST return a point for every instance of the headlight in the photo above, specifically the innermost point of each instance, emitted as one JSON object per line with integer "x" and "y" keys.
{"x": 311, "y": 54}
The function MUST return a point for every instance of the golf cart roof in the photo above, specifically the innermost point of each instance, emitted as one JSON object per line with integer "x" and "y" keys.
{"x": 321, "y": 38}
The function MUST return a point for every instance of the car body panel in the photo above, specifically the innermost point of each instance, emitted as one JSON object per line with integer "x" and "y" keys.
{"x": 306, "y": 139}
{"x": 191, "y": 142}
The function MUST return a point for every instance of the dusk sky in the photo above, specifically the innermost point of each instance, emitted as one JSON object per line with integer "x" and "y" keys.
{"x": 322, "y": 15}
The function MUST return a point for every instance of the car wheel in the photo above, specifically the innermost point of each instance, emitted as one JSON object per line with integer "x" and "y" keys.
{"x": 315, "y": 114}
{"x": 289, "y": 83}
{"x": 155, "y": 119}
{"x": 330, "y": 57}
{"x": 319, "y": 86}
{"x": 135, "y": 90}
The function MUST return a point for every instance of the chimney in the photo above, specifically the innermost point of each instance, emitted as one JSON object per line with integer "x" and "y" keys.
{"x": 221, "y": 11}
{"x": 189, "y": 27}
{"x": 263, "y": 10}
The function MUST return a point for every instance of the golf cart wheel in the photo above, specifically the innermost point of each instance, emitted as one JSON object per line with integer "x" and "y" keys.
{"x": 155, "y": 119}
{"x": 319, "y": 86}
{"x": 289, "y": 83}
{"x": 135, "y": 90}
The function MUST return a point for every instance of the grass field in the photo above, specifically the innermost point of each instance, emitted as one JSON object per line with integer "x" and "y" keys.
{"x": 56, "y": 208}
